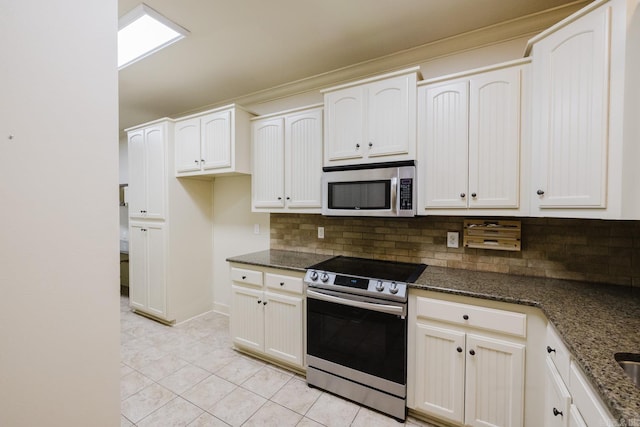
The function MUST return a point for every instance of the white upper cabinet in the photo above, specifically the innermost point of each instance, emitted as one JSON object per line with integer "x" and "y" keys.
{"x": 571, "y": 81}
{"x": 268, "y": 163}
{"x": 213, "y": 143}
{"x": 287, "y": 152}
{"x": 371, "y": 121}
{"x": 469, "y": 142}
{"x": 585, "y": 91}
{"x": 148, "y": 171}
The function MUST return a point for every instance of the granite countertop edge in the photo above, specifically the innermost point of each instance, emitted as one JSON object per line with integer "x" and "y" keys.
{"x": 600, "y": 321}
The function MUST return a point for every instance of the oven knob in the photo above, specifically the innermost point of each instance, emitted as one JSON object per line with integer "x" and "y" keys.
{"x": 314, "y": 275}
{"x": 379, "y": 286}
{"x": 324, "y": 277}
{"x": 393, "y": 288}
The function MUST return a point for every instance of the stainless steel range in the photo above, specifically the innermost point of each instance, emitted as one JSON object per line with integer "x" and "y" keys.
{"x": 357, "y": 330}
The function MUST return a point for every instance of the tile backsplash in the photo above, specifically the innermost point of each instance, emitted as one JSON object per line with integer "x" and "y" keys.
{"x": 586, "y": 250}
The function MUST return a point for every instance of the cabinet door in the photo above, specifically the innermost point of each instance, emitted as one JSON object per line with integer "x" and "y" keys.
{"x": 247, "y": 317}
{"x": 156, "y": 172}
{"x": 571, "y": 86}
{"x": 156, "y": 271}
{"x": 147, "y": 281}
{"x": 345, "y": 124}
{"x": 268, "y": 163}
{"x": 444, "y": 112}
{"x": 494, "y": 382}
{"x": 216, "y": 140}
{"x": 303, "y": 160}
{"x": 494, "y": 139}
{"x": 137, "y": 166}
{"x": 138, "y": 267}
{"x": 187, "y": 140}
{"x": 557, "y": 398}
{"x": 283, "y": 321}
{"x": 439, "y": 379}
{"x": 390, "y": 113}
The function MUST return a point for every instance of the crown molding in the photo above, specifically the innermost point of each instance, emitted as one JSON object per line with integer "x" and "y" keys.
{"x": 526, "y": 26}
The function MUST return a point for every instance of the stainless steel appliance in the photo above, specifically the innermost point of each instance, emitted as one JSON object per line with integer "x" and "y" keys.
{"x": 357, "y": 330}
{"x": 381, "y": 189}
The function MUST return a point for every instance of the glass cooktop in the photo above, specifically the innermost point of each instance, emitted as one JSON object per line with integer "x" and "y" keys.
{"x": 372, "y": 268}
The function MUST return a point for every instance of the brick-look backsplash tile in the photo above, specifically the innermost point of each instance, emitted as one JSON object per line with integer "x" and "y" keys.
{"x": 587, "y": 250}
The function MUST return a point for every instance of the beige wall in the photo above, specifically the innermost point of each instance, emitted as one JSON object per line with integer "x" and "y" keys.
{"x": 59, "y": 307}
{"x": 233, "y": 232}
{"x": 587, "y": 250}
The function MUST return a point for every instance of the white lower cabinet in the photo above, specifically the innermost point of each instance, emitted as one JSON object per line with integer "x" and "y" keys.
{"x": 267, "y": 314}
{"x": 557, "y": 398}
{"x": 147, "y": 268}
{"x": 570, "y": 400}
{"x": 466, "y": 368}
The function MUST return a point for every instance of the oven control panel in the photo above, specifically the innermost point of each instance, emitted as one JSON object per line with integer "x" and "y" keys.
{"x": 386, "y": 289}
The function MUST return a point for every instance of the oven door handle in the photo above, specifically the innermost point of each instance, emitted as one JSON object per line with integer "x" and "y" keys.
{"x": 382, "y": 308}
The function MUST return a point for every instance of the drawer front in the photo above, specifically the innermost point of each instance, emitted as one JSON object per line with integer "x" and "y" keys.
{"x": 586, "y": 400}
{"x": 250, "y": 277}
{"x": 557, "y": 352}
{"x": 284, "y": 283}
{"x": 489, "y": 319}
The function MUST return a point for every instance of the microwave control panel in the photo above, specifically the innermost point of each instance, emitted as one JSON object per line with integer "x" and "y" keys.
{"x": 406, "y": 194}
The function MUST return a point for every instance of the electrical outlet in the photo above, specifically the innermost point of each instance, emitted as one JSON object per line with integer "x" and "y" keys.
{"x": 320, "y": 232}
{"x": 452, "y": 239}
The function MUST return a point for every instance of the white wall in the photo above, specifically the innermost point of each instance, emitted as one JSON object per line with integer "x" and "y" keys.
{"x": 233, "y": 232}
{"x": 59, "y": 306}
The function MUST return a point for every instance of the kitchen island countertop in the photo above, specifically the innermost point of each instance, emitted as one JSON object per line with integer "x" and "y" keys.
{"x": 595, "y": 320}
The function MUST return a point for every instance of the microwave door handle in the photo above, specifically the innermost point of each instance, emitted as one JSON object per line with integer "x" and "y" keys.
{"x": 394, "y": 195}
{"x": 382, "y": 308}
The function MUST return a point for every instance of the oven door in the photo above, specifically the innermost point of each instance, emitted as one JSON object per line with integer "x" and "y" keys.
{"x": 361, "y": 338}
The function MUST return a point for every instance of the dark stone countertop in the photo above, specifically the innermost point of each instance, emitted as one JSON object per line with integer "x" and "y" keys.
{"x": 287, "y": 260}
{"x": 595, "y": 320}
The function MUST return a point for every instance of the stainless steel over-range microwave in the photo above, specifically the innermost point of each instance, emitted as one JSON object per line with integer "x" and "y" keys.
{"x": 381, "y": 189}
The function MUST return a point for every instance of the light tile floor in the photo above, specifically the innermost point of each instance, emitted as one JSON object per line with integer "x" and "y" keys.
{"x": 189, "y": 375}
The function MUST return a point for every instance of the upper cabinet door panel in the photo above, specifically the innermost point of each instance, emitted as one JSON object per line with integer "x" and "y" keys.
{"x": 187, "y": 140}
{"x": 303, "y": 158}
{"x": 216, "y": 140}
{"x": 345, "y": 124}
{"x": 446, "y": 145}
{"x": 388, "y": 116}
{"x": 268, "y": 164}
{"x": 571, "y": 72}
{"x": 137, "y": 193}
{"x": 494, "y": 139}
{"x": 156, "y": 172}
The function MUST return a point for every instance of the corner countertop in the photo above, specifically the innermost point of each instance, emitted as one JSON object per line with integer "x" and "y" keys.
{"x": 595, "y": 320}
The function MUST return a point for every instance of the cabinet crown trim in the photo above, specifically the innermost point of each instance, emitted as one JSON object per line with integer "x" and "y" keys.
{"x": 376, "y": 78}
{"x": 466, "y": 73}
{"x": 566, "y": 21}
{"x": 153, "y": 122}
{"x": 215, "y": 110}
{"x": 290, "y": 111}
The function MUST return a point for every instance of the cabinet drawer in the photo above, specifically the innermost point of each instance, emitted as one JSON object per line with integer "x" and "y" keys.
{"x": 489, "y": 319}
{"x": 284, "y": 283}
{"x": 586, "y": 400}
{"x": 558, "y": 353}
{"x": 250, "y": 277}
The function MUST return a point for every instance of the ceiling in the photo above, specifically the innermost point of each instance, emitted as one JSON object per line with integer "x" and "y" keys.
{"x": 239, "y": 47}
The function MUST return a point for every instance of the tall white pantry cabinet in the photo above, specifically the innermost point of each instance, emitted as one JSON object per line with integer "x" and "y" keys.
{"x": 170, "y": 239}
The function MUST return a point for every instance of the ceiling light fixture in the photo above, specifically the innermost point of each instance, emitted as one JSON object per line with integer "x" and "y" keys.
{"x": 142, "y": 32}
